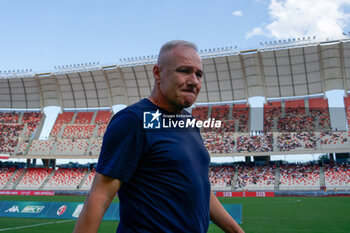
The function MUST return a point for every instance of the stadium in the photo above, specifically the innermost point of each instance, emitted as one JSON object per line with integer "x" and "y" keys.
{"x": 51, "y": 117}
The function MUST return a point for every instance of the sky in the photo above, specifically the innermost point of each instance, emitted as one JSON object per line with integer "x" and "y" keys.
{"x": 41, "y": 34}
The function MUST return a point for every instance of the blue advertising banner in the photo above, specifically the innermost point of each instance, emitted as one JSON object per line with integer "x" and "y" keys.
{"x": 71, "y": 210}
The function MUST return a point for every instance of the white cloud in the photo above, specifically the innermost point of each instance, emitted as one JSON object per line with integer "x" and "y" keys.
{"x": 237, "y": 13}
{"x": 294, "y": 18}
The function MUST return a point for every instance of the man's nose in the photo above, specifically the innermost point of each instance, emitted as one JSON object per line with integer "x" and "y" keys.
{"x": 193, "y": 80}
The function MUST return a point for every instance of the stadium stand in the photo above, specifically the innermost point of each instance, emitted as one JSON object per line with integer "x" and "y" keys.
{"x": 255, "y": 143}
{"x": 337, "y": 176}
{"x": 63, "y": 118}
{"x": 33, "y": 178}
{"x": 66, "y": 179}
{"x": 5, "y": 175}
{"x": 255, "y": 177}
{"x": 299, "y": 177}
{"x": 220, "y": 112}
{"x": 221, "y": 177}
{"x": 272, "y": 111}
{"x": 83, "y": 118}
{"x": 71, "y": 147}
{"x": 200, "y": 112}
{"x": 88, "y": 181}
{"x": 240, "y": 113}
{"x": 218, "y": 142}
{"x": 41, "y": 147}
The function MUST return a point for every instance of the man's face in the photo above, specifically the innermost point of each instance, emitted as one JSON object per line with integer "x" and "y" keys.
{"x": 180, "y": 77}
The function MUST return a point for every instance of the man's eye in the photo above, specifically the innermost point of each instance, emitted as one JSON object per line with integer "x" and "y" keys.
{"x": 184, "y": 71}
{"x": 199, "y": 75}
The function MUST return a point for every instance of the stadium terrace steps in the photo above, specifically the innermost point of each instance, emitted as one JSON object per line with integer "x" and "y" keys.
{"x": 52, "y": 173}
{"x": 88, "y": 181}
{"x": 83, "y": 180}
{"x": 33, "y": 178}
{"x": 322, "y": 178}
{"x": 277, "y": 179}
{"x": 93, "y": 117}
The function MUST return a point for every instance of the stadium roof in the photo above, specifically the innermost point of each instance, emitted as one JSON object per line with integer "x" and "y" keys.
{"x": 284, "y": 71}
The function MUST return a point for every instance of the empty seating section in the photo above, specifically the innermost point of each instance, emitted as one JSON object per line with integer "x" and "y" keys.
{"x": 22, "y": 147}
{"x": 41, "y": 147}
{"x": 63, "y": 118}
{"x": 103, "y": 117}
{"x": 257, "y": 143}
{"x": 272, "y": 111}
{"x": 220, "y": 112}
{"x": 218, "y": 142}
{"x": 15, "y": 178}
{"x": 255, "y": 178}
{"x": 299, "y": 177}
{"x": 65, "y": 178}
{"x": 9, "y": 117}
{"x": 101, "y": 130}
{"x": 71, "y": 147}
{"x": 221, "y": 177}
{"x": 102, "y": 120}
{"x": 83, "y": 118}
{"x": 337, "y": 176}
{"x": 33, "y": 178}
{"x": 88, "y": 181}
{"x": 78, "y": 131}
{"x": 96, "y": 147}
{"x": 240, "y": 113}
{"x": 200, "y": 112}
{"x": 5, "y": 174}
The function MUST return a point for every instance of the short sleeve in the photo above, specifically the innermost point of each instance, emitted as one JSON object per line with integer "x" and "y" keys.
{"x": 122, "y": 147}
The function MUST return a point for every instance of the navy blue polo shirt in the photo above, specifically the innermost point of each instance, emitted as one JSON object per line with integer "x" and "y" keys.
{"x": 164, "y": 171}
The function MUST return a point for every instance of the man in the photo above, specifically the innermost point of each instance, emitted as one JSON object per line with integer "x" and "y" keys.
{"x": 161, "y": 175}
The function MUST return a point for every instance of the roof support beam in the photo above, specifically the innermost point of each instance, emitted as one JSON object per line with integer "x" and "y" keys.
{"x": 108, "y": 89}
{"x": 82, "y": 84}
{"x": 93, "y": 80}
{"x": 148, "y": 80}
{"x": 229, "y": 72}
{"x": 342, "y": 63}
{"x": 244, "y": 75}
{"x": 59, "y": 91}
{"x": 71, "y": 87}
{"x": 277, "y": 74}
{"x": 291, "y": 71}
{"x": 126, "y": 92}
{"x": 137, "y": 83}
{"x": 305, "y": 70}
{"x": 25, "y": 93}
{"x": 217, "y": 79}
{"x": 8, "y": 83}
{"x": 40, "y": 93}
{"x": 319, "y": 52}
{"x": 261, "y": 64}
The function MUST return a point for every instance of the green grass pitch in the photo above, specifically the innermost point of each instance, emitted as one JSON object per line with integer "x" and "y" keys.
{"x": 260, "y": 215}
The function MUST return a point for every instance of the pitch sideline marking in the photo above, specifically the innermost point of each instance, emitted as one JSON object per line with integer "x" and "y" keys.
{"x": 35, "y": 225}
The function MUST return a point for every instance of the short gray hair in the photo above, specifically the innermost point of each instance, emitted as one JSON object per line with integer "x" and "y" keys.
{"x": 173, "y": 44}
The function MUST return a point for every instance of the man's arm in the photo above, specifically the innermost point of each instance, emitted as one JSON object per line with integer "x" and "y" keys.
{"x": 220, "y": 217}
{"x": 100, "y": 197}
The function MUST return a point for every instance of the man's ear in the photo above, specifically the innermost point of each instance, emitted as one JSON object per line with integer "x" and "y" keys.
{"x": 156, "y": 73}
